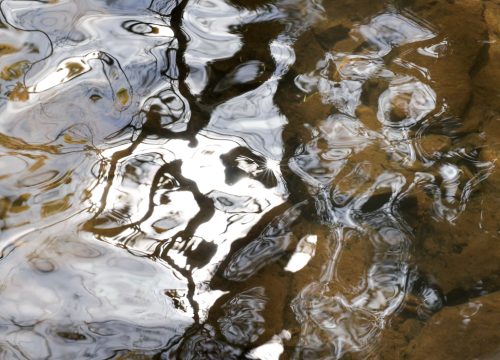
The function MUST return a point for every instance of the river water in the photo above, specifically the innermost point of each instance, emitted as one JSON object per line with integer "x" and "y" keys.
{"x": 249, "y": 179}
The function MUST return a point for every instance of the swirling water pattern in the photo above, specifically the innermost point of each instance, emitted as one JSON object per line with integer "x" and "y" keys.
{"x": 188, "y": 179}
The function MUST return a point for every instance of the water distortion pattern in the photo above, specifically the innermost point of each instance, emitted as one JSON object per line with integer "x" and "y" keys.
{"x": 221, "y": 179}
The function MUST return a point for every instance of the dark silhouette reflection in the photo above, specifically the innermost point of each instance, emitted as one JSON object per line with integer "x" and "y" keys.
{"x": 221, "y": 179}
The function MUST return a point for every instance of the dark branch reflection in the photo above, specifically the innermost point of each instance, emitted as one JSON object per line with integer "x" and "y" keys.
{"x": 225, "y": 179}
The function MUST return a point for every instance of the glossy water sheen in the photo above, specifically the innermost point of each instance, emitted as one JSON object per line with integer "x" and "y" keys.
{"x": 225, "y": 179}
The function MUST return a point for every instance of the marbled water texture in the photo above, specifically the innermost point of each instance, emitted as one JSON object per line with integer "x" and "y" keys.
{"x": 249, "y": 179}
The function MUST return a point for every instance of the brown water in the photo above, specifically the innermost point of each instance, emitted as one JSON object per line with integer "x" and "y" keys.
{"x": 249, "y": 179}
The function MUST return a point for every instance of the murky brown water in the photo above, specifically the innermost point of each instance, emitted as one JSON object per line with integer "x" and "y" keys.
{"x": 249, "y": 179}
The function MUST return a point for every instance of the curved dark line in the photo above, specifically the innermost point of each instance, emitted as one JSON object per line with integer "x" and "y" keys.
{"x": 2, "y": 12}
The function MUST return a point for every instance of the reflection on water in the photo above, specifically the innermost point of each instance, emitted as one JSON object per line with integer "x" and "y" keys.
{"x": 217, "y": 179}
{"x": 76, "y": 302}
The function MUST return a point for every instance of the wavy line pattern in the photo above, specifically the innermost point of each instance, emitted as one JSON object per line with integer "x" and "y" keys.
{"x": 222, "y": 179}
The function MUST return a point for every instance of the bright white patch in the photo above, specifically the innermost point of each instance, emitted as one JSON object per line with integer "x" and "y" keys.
{"x": 273, "y": 166}
{"x": 305, "y": 250}
{"x": 272, "y": 349}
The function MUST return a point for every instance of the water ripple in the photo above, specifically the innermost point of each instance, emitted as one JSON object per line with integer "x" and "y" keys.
{"x": 223, "y": 179}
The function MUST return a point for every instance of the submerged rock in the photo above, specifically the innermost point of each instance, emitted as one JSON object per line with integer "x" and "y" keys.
{"x": 450, "y": 62}
{"x": 460, "y": 255}
{"x": 467, "y": 331}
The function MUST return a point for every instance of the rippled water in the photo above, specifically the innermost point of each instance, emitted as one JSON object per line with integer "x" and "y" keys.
{"x": 226, "y": 179}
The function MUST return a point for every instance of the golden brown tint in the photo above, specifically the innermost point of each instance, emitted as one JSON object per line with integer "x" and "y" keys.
{"x": 238, "y": 179}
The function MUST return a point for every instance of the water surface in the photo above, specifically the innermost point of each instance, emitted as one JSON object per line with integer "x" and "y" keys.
{"x": 231, "y": 179}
